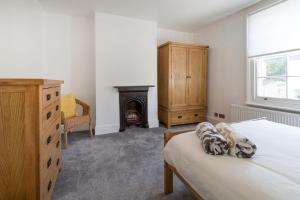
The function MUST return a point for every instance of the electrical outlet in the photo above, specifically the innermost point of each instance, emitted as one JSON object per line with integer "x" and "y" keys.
{"x": 216, "y": 114}
{"x": 222, "y": 116}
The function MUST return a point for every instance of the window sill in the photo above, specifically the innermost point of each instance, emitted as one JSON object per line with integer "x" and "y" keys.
{"x": 282, "y": 109}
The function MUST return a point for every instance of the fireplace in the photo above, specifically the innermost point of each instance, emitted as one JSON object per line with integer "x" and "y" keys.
{"x": 133, "y": 103}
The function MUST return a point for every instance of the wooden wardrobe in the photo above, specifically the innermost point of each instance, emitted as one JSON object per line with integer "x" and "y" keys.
{"x": 30, "y": 144}
{"x": 182, "y": 70}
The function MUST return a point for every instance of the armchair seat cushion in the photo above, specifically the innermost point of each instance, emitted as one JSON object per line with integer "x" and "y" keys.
{"x": 73, "y": 122}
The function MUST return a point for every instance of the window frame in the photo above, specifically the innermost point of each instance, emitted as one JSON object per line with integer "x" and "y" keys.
{"x": 252, "y": 99}
{"x": 271, "y": 102}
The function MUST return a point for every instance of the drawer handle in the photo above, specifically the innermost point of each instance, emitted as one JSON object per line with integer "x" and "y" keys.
{"x": 49, "y": 185}
{"x": 57, "y": 144}
{"x": 57, "y": 126}
{"x": 49, "y": 162}
{"x": 49, "y": 139}
{"x": 57, "y": 107}
{"x": 57, "y": 93}
{"x": 48, "y": 97}
{"x": 49, "y": 115}
{"x": 179, "y": 117}
{"x": 57, "y": 162}
{"x": 196, "y": 115}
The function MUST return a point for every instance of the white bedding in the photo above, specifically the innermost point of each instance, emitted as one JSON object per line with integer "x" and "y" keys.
{"x": 273, "y": 172}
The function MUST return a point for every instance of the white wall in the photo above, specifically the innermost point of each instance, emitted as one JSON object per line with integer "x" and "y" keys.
{"x": 69, "y": 55}
{"x": 126, "y": 54}
{"x": 56, "y": 49}
{"x": 227, "y": 63}
{"x": 36, "y": 44}
{"x": 83, "y": 61}
{"x": 165, "y": 35}
{"x": 20, "y": 38}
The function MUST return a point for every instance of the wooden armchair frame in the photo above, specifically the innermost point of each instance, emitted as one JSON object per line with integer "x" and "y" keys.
{"x": 170, "y": 170}
{"x": 73, "y": 122}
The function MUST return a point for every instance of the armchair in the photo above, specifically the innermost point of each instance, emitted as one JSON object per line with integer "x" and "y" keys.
{"x": 73, "y": 122}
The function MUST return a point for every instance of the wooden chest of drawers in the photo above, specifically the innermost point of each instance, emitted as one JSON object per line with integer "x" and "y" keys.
{"x": 30, "y": 144}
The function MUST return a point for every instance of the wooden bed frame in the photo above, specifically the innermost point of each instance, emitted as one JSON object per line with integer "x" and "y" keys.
{"x": 170, "y": 170}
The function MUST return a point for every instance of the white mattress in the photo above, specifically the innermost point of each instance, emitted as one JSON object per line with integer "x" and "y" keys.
{"x": 273, "y": 172}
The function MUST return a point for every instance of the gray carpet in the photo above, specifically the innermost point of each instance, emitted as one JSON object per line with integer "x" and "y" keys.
{"x": 118, "y": 166}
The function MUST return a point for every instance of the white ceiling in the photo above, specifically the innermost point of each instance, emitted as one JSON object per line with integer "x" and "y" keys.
{"x": 184, "y": 15}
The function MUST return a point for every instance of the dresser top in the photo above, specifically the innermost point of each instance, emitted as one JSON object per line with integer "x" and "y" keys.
{"x": 29, "y": 82}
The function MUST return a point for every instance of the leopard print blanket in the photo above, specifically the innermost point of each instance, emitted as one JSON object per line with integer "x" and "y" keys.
{"x": 212, "y": 141}
{"x": 239, "y": 146}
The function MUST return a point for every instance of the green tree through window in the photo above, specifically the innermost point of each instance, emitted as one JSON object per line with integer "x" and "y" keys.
{"x": 276, "y": 66}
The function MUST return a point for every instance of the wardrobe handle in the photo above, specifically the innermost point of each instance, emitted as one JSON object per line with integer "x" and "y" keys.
{"x": 48, "y": 97}
{"x": 49, "y": 115}
{"x": 57, "y": 107}
{"x": 49, "y": 185}
{"x": 188, "y": 76}
{"x": 57, "y": 126}
{"x": 196, "y": 115}
{"x": 179, "y": 117}
{"x": 49, "y": 163}
{"x": 49, "y": 140}
{"x": 57, "y": 93}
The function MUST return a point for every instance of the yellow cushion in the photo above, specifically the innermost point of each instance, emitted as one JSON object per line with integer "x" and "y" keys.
{"x": 68, "y": 105}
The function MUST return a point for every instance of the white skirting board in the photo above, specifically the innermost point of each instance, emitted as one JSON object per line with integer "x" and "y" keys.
{"x": 113, "y": 128}
{"x": 153, "y": 124}
{"x": 241, "y": 113}
{"x": 106, "y": 128}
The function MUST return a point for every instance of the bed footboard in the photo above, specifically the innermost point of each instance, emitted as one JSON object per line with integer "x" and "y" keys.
{"x": 168, "y": 172}
{"x": 169, "y": 134}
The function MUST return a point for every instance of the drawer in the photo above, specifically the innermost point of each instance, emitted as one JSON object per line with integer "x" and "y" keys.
{"x": 185, "y": 117}
{"x": 50, "y": 95}
{"x": 51, "y": 133}
{"x": 48, "y": 183}
{"x": 50, "y": 147}
{"x": 50, "y": 158}
{"x": 51, "y": 113}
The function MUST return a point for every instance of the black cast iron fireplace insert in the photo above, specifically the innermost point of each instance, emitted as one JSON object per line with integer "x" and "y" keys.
{"x": 133, "y": 102}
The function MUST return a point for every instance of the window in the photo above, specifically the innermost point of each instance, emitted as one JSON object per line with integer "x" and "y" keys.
{"x": 278, "y": 76}
{"x": 274, "y": 56}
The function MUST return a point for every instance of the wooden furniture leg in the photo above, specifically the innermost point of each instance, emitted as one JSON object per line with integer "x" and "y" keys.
{"x": 168, "y": 179}
{"x": 66, "y": 138}
{"x": 90, "y": 129}
{"x": 168, "y": 123}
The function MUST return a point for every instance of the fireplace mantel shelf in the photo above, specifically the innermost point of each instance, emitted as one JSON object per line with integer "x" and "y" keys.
{"x": 137, "y": 88}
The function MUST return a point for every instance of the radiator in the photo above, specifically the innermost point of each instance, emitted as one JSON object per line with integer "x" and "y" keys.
{"x": 241, "y": 113}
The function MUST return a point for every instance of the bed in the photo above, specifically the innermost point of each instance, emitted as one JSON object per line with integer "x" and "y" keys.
{"x": 273, "y": 172}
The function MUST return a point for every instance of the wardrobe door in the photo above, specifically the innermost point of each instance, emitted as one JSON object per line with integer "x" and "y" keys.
{"x": 179, "y": 76}
{"x": 163, "y": 76}
{"x": 196, "y": 77}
